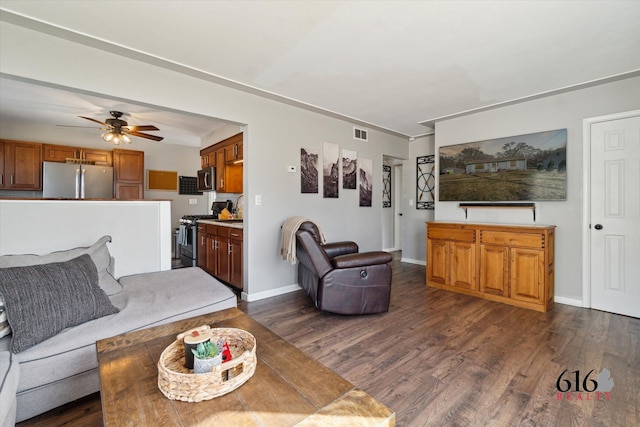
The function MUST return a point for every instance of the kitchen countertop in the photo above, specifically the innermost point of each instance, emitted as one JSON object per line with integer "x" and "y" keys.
{"x": 231, "y": 224}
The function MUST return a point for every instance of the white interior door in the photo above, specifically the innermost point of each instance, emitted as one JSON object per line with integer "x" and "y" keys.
{"x": 615, "y": 216}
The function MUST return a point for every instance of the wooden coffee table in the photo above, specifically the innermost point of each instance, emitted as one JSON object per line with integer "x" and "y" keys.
{"x": 288, "y": 387}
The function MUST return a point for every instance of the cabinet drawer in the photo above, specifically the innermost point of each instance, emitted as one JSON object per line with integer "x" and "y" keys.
{"x": 456, "y": 234}
{"x": 512, "y": 239}
{"x": 230, "y": 232}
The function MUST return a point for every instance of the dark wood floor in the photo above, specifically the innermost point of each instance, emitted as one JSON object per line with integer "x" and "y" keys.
{"x": 439, "y": 358}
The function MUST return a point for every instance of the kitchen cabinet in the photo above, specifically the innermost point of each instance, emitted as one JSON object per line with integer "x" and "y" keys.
{"x": 202, "y": 246}
{"x": 227, "y": 157}
{"x": 234, "y": 252}
{"x": 233, "y": 149}
{"x": 128, "y": 174}
{"x": 222, "y": 253}
{"x": 60, "y": 153}
{"x": 506, "y": 263}
{"x": 20, "y": 165}
{"x": 207, "y": 159}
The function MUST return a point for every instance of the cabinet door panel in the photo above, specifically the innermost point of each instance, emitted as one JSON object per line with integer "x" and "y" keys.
{"x": 25, "y": 166}
{"x": 98, "y": 157}
{"x": 3, "y": 180}
{"x": 223, "y": 258}
{"x": 438, "y": 267}
{"x": 235, "y": 263}
{"x": 59, "y": 153}
{"x": 202, "y": 246}
{"x": 463, "y": 265}
{"x": 527, "y": 275}
{"x": 125, "y": 191}
{"x": 494, "y": 270}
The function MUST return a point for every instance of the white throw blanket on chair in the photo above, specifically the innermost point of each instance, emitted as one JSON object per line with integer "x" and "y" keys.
{"x": 288, "y": 244}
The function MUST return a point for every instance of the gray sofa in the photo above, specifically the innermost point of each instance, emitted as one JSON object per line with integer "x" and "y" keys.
{"x": 63, "y": 368}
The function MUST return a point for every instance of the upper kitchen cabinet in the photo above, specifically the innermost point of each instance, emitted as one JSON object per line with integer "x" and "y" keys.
{"x": 207, "y": 157}
{"x": 233, "y": 149}
{"x": 60, "y": 153}
{"x": 20, "y": 165}
{"x": 227, "y": 157}
{"x": 128, "y": 174}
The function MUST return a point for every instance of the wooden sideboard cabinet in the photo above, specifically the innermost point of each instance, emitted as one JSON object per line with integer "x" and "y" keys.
{"x": 507, "y": 263}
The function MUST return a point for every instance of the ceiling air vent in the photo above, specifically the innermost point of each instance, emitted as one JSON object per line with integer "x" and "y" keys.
{"x": 360, "y": 134}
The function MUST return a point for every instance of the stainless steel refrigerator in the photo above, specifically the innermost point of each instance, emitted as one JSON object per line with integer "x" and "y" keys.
{"x": 72, "y": 181}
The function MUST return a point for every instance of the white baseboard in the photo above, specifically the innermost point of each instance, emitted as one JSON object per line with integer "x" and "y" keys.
{"x": 568, "y": 301}
{"x": 391, "y": 249}
{"x": 414, "y": 261}
{"x": 270, "y": 293}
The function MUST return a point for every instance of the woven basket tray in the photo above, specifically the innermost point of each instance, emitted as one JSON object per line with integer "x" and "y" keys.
{"x": 180, "y": 383}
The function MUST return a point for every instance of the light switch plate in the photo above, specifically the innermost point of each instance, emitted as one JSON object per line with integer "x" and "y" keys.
{"x": 258, "y": 199}
{"x": 291, "y": 169}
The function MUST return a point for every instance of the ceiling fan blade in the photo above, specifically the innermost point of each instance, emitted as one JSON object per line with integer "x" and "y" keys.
{"x": 94, "y": 120}
{"x": 141, "y": 128}
{"x": 145, "y": 135}
{"x": 71, "y": 126}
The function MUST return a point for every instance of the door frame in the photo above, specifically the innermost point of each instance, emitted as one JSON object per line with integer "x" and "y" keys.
{"x": 586, "y": 199}
{"x": 398, "y": 210}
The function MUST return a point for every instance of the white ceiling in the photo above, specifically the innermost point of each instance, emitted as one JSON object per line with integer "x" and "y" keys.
{"x": 395, "y": 65}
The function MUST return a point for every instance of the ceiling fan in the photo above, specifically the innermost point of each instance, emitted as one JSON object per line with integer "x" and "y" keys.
{"x": 117, "y": 130}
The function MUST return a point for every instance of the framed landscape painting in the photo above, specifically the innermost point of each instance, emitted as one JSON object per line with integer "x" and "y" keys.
{"x": 524, "y": 167}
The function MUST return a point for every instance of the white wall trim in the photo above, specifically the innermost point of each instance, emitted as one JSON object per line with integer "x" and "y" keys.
{"x": 568, "y": 301}
{"x": 586, "y": 198}
{"x": 414, "y": 261}
{"x": 270, "y": 293}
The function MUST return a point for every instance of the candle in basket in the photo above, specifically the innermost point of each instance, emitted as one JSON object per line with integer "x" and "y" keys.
{"x": 191, "y": 341}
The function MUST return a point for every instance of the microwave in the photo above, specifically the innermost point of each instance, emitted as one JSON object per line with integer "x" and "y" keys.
{"x": 207, "y": 179}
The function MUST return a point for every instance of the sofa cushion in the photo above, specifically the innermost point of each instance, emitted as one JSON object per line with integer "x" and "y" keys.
{"x": 42, "y": 300}
{"x": 99, "y": 253}
{"x": 9, "y": 376}
{"x": 148, "y": 299}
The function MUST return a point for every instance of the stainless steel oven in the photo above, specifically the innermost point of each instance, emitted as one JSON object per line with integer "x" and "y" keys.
{"x": 188, "y": 239}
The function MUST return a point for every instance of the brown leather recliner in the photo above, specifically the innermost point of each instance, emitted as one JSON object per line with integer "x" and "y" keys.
{"x": 338, "y": 278}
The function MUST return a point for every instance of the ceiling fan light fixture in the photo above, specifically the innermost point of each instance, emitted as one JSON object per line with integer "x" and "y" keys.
{"x": 125, "y": 138}
{"x": 108, "y": 136}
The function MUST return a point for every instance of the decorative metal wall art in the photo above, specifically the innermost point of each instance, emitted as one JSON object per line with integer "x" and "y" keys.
{"x": 386, "y": 186}
{"x": 425, "y": 182}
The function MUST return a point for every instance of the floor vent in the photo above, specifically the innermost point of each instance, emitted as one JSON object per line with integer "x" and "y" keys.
{"x": 360, "y": 134}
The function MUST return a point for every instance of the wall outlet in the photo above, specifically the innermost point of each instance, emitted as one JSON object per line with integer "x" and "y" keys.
{"x": 410, "y": 202}
{"x": 193, "y": 201}
{"x": 258, "y": 199}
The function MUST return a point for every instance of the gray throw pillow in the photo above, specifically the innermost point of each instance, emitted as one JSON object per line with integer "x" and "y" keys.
{"x": 99, "y": 253}
{"x": 42, "y": 300}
